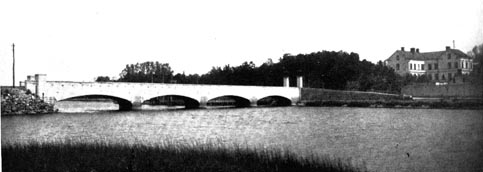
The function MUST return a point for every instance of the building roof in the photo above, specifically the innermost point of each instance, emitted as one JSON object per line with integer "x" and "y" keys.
{"x": 429, "y": 55}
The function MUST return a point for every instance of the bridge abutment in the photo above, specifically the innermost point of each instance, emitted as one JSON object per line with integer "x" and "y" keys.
{"x": 40, "y": 80}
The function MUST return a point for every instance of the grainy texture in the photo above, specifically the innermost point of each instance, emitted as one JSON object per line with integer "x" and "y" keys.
{"x": 378, "y": 138}
{"x": 69, "y": 156}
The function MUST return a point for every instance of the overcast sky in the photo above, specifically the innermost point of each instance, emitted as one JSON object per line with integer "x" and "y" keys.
{"x": 79, "y": 40}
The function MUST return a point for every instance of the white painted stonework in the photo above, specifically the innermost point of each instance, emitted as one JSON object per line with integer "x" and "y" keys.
{"x": 136, "y": 93}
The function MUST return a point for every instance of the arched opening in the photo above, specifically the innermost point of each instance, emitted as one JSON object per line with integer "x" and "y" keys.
{"x": 96, "y": 102}
{"x": 228, "y": 101}
{"x": 171, "y": 102}
{"x": 274, "y": 101}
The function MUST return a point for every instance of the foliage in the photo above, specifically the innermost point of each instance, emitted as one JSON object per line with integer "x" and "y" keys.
{"x": 103, "y": 79}
{"x": 147, "y": 72}
{"x": 167, "y": 157}
{"x": 325, "y": 69}
{"x": 16, "y": 101}
{"x": 477, "y": 54}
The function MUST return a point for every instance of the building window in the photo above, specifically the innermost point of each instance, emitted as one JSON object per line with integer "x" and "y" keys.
{"x": 442, "y": 77}
{"x": 436, "y": 76}
{"x": 450, "y": 76}
{"x": 422, "y": 66}
{"x": 430, "y": 77}
{"x": 397, "y": 57}
{"x": 397, "y": 66}
{"x": 466, "y": 64}
{"x": 449, "y": 56}
{"x": 456, "y": 65}
{"x": 449, "y": 65}
{"x": 410, "y": 66}
{"x": 436, "y": 66}
{"x": 429, "y": 66}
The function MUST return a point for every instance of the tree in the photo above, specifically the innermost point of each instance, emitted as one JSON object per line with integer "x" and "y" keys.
{"x": 147, "y": 72}
{"x": 324, "y": 69}
{"x": 477, "y": 54}
{"x": 103, "y": 79}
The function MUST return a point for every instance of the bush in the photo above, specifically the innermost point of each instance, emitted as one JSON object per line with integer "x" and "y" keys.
{"x": 17, "y": 101}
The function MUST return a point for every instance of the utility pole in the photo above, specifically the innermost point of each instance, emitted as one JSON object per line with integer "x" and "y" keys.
{"x": 13, "y": 66}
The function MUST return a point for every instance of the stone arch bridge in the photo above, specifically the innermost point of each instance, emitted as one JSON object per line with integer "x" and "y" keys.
{"x": 132, "y": 95}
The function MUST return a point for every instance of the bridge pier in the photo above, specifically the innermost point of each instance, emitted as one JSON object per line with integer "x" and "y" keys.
{"x": 253, "y": 103}
{"x": 203, "y": 102}
{"x": 203, "y": 105}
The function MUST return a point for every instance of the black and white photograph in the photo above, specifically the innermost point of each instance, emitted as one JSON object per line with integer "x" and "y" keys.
{"x": 248, "y": 86}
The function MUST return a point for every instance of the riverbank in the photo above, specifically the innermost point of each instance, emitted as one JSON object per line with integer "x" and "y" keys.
{"x": 16, "y": 101}
{"x": 338, "y": 98}
{"x": 399, "y": 104}
{"x": 165, "y": 157}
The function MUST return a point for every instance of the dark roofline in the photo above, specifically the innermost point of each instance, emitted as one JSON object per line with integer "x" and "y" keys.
{"x": 434, "y": 55}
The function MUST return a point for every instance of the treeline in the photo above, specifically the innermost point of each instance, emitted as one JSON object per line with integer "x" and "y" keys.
{"x": 325, "y": 69}
{"x": 477, "y": 54}
{"x": 147, "y": 72}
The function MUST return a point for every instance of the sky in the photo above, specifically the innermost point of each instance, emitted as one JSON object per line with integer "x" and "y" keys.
{"x": 80, "y": 40}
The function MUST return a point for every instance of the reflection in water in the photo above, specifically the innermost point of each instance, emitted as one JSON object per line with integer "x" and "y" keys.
{"x": 85, "y": 106}
{"x": 93, "y": 106}
{"x": 436, "y": 140}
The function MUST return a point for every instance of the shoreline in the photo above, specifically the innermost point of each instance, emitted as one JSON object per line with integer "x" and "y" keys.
{"x": 398, "y": 104}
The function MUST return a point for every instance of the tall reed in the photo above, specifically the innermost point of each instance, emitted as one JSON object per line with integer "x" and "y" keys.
{"x": 99, "y": 156}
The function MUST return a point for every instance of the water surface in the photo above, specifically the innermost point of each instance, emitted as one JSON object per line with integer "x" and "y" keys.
{"x": 380, "y": 139}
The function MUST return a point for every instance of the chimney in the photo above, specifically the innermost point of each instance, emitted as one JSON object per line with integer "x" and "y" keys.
{"x": 448, "y": 48}
{"x": 402, "y": 48}
{"x": 417, "y": 50}
{"x": 412, "y": 50}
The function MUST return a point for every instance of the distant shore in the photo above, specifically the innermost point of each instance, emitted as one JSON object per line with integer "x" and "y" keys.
{"x": 398, "y": 104}
{"x": 324, "y": 97}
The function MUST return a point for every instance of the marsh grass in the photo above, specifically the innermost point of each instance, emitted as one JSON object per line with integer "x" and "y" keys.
{"x": 70, "y": 156}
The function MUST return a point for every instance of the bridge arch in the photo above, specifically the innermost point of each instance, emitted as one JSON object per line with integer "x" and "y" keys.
{"x": 274, "y": 100}
{"x": 124, "y": 104}
{"x": 173, "y": 100}
{"x": 234, "y": 100}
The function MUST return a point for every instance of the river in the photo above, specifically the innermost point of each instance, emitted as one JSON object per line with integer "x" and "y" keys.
{"x": 380, "y": 139}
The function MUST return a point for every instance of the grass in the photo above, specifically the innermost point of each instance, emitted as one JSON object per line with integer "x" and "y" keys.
{"x": 69, "y": 156}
